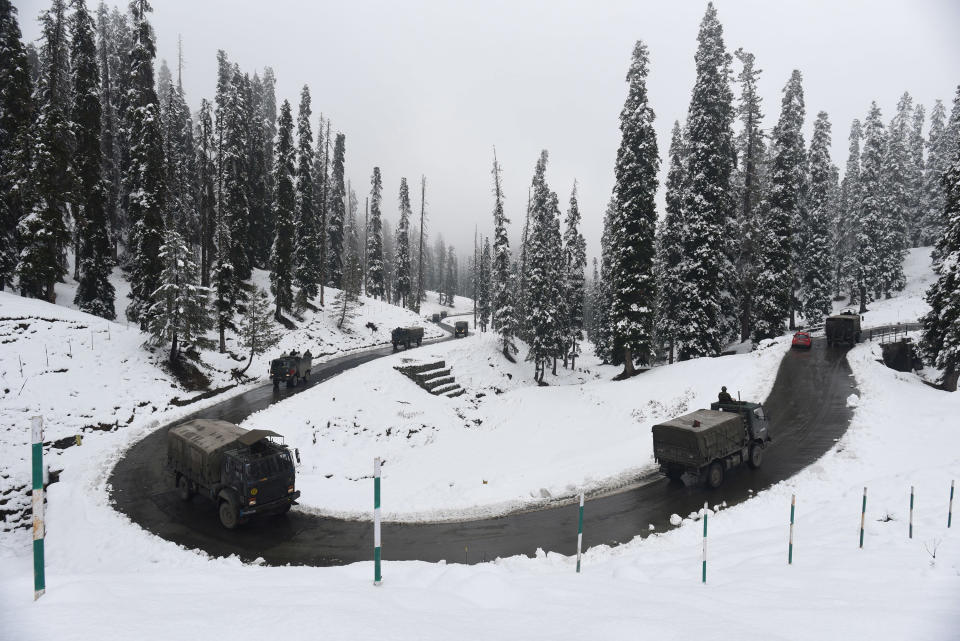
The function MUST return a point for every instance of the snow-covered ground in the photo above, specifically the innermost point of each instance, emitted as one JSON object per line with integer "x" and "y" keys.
{"x": 430, "y": 306}
{"x": 906, "y": 306}
{"x": 504, "y": 444}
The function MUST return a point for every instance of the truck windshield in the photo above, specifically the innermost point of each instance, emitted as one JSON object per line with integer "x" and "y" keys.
{"x": 758, "y": 413}
{"x": 269, "y": 466}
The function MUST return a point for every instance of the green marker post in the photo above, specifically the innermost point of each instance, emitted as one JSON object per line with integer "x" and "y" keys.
{"x": 39, "y": 579}
{"x": 793, "y": 506}
{"x": 863, "y": 516}
{"x": 704, "y": 542}
{"x": 580, "y": 532}
{"x": 377, "y": 578}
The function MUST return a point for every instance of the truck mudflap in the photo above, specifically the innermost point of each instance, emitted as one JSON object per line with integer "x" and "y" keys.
{"x": 272, "y": 506}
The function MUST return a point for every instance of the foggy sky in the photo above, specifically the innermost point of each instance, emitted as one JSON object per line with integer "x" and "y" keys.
{"x": 430, "y": 87}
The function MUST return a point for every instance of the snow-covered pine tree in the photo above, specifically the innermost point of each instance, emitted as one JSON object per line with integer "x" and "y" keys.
{"x": 375, "y": 276}
{"x": 145, "y": 172}
{"x": 896, "y": 198}
{"x": 206, "y": 196}
{"x": 180, "y": 314}
{"x": 450, "y": 279}
{"x": 937, "y": 162}
{"x": 941, "y": 338}
{"x": 421, "y": 246}
{"x": 281, "y": 256}
{"x": 603, "y": 339}
{"x": 258, "y": 182}
{"x": 575, "y": 262}
{"x": 816, "y": 284}
{"x": 503, "y": 310}
{"x": 844, "y": 226}
{"x": 42, "y": 231}
{"x": 182, "y": 172}
{"x": 870, "y": 230}
{"x": 669, "y": 251}
{"x": 323, "y": 162}
{"x": 268, "y": 120}
{"x": 258, "y": 331}
{"x": 305, "y": 254}
{"x": 634, "y": 224}
{"x": 403, "y": 282}
{"x": 352, "y": 278}
{"x": 777, "y": 246}
{"x": 110, "y": 125}
{"x": 916, "y": 146}
{"x": 235, "y": 195}
{"x": 335, "y": 224}
{"x": 16, "y": 113}
{"x": 708, "y": 202}
{"x": 484, "y": 286}
{"x": 95, "y": 292}
{"x": 751, "y": 149}
{"x": 441, "y": 276}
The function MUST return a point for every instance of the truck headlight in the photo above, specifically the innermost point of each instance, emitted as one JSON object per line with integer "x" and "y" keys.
{"x": 252, "y": 501}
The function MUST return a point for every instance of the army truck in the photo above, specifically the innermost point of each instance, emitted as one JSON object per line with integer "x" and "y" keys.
{"x": 701, "y": 446}
{"x": 843, "y": 328}
{"x": 405, "y": 336}
{"x": 460, "y": 329}
{"x": 291, "y": 368}
{"x": 435, "y": 318}
{"x": 242, "y": 471}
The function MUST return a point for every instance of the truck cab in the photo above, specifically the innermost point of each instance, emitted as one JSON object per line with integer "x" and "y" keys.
{"x": 460, "y": 329}
{"x": 260, "y": 478}
{"x": 755, "y": 419}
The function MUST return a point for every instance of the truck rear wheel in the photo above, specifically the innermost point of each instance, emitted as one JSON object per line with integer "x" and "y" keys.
{"x": 228, "y": 515}
{"x": 756, "y": 455}
{"x": 715, "y": 475}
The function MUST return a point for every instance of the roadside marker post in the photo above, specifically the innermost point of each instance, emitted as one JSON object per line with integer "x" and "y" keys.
{"x": 39, "y": 579}
{"x": 793, "y": 506}
{"x": 863, "y": 516}
{"x": 579, "y": 532}
{"x": 950, "y": 509}
{"x": 377, "y": 578}
{"x": 704, "y": 578}
{"x": 911, "y": 512}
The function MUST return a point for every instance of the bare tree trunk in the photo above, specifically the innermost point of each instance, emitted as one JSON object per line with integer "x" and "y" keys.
{"x": 628, "y": 369}
{"x": 863, "y": 298}
{"x": 173, "y": 350}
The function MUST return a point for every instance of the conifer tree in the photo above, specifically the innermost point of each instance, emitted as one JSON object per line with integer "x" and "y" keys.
{"x": 777, "y": 247}
{"x": 403, "y": 281}
{"x": 42, "y": 231}
{"x": 305, "y": 254}
{"x": 669, "y": 251}
{"x": 180, "y": 155}
{"x": 916, "y": 146}
{"x": 503, "y": 311}
{"x": 941, "y": 338}
{"x": 145, "y": 172}
{"x": 268, "y": 133}
{"x": 450, "y": 280}
{"x": 335, "y": 225}
{"x": 484, "y": 287}
{"x": 206, "y": 196}
{"x": 259, "y": 182}
{"x": 16, "y": 112}
{"x": 95, "y": 292}
{"x": 603, "y": 340}
{"x": 870, "y": 231}
{"x": 815, "y": 288}
{"x": 708, "y": 203}
{"x": 375, "y": 276}
{"x": 281, "y": 257}
{"x": 574, "y": 263}
{"x": 937, "y": 149}
{"x": 323, "y": 172}
{"x": 634, "y": 224}
{"x": 180, "y": 314}
{"x": 110, "y": 125}
{"x": 896, "y": 198}
{"x": 844, "y": 227}
{"x": 258, "y": 332}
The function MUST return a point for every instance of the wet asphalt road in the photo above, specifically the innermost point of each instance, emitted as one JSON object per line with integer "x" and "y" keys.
{"x": 808, "y": 414}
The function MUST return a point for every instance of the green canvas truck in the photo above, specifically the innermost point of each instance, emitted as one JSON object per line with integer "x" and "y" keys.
{"x": 461, "y": 329}
{"x": 405, "y": 336}
{"x": 843, "y": 328}
{"x": 701, "y": 446}
{"x": 291, "y": 368}
{"x": 242, "y": 471}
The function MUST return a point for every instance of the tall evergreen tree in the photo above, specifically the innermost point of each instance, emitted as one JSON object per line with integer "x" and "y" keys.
{"x": 777, "y": 248}
{"x": 846, "y": 218}
{"x": 16, "y": 113}
{"x": 258, "y": 332}
{"x": 450, "y": 279}
{"x": 42, "y": 231}
{"x": 634, "y": 225}
{"x": 708, "y": 203}
{"x": 306, "y": 256}
{"x": 503, "y": 311}
{"x": 375, "y": 276}
{"x": 206, "y": 196}
{"x": 259, "y": 169}
{"x": 268, "y": 123}
{"x": 603, "y": 340}
{"x": 669, "y": 252}
{"x": 182, "y": 171}
{"x": 870, "y": 228}
{"x": 324, "y": 174}
{"x": 937, "y": 163}
{"x": 95, "y": 292}
{"x": 816, "y": 278}
{"x": 574, "y": 263}
{"x": 484, "y": 286}
{"x": 145, "y": 172}
{"x": 403, "y": 281}
{"x": 115, "y": 43}
{"x": 916, "y": 146}
{"x": 896, "y": 197}
{"x": 281, "y": 256}
{"x": 335, "y": 225}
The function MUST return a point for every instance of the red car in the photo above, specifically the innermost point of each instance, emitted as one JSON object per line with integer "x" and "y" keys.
{"x": 802, "y": 339}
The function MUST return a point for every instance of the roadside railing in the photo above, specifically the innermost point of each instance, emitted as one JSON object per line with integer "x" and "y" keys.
{"x": 891, "y": 333}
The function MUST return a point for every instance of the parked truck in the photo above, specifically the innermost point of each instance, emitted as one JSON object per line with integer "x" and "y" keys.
{"x": 843, "y": 328}
{"x": 701, "y": 446}
{"x": 405, "y": 336}
{"x": 291, "y": 368}
{"x": 242, "y": 471}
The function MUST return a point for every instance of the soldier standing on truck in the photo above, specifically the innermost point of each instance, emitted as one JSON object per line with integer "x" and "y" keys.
{"x": 724, "y": 397}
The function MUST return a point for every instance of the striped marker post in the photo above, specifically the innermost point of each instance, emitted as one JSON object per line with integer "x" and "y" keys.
{"x": 863, "y": 516}
{"x": 39, "y": 580}
{"x": 911, "y": 512}
{"x": 950, "y": 509}
{"x": 793, "y": 506}
{"x": 579, "y": 532}
{"x": 377, "y": 578}
{"x": 704, "y": 579}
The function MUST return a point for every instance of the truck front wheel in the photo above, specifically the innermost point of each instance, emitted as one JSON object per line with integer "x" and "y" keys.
{"x": 228, "y": 515}
{"x": 715, "y": 475}
{"x": 756, "y": 455}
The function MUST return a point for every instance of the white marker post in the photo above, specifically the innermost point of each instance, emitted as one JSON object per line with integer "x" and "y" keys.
{"x": 704, "y": 542}
{"x": 376, "y": 522}
{"x": 579, "y": 532}
{"x": 39, "y": 582}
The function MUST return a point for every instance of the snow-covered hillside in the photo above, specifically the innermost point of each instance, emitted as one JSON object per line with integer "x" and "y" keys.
{"x": 906, "y": 306}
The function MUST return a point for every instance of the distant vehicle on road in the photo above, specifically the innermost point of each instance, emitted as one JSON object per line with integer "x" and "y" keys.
{"x": 460, "y": 329}
{"x": 405, "y": 336}
{"x": 843, "y": 328}
{"x": 291, "y": 368}
{"x": 435, "y": 318}
{"x": 242, "y": 471}
{"x": 701, "y": 446}
{"x": 802, "y": 339}
{"x": 443, "y": 314}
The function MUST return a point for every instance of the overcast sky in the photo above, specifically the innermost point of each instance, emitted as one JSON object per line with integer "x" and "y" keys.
{"x": 430, "y": 87}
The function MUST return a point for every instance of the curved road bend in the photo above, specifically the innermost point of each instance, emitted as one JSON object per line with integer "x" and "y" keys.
{"x": 808, "y": 414}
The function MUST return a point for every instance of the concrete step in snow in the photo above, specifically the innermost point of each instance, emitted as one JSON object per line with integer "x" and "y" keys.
{"x": 455, "y": 393}
{"x": 410, "y": 370}
{"x": 432, "y": 374}
{"x": 437, "y": 382}
{"x": 446, "y": 389}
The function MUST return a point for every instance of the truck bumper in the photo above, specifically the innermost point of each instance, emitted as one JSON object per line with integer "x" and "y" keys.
{"x": 273, "y": 506}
